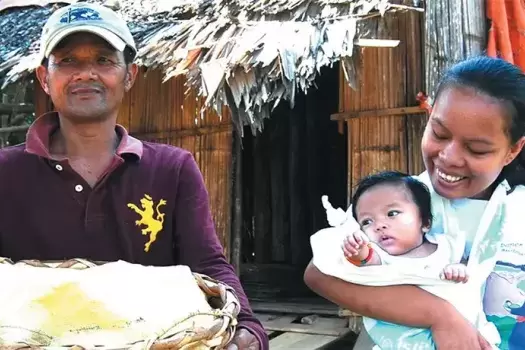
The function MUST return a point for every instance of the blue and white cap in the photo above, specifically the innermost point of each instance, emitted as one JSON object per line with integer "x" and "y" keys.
{"x": 85, "y": 17}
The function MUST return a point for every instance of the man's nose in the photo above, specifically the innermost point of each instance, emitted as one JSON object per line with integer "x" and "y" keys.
{"x": 85, "y": 71}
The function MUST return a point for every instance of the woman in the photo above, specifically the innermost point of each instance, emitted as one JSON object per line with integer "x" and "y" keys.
{"x": 472, "y": 142}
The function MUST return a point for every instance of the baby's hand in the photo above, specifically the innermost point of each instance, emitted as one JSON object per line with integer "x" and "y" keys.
{"x": 355, "y": 245}
{"x": 455, "y": 272}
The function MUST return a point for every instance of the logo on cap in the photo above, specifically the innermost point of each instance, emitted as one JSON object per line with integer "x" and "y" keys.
{"x": 80, "y": 14}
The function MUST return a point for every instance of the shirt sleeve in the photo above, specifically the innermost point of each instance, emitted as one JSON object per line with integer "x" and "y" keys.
{"x": 199, "y": 247}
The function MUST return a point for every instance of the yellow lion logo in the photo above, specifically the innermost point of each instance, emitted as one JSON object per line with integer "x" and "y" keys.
{"x": 147, "y": 218}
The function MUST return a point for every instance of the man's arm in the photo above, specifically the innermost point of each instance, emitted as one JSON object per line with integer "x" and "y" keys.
{"x": 198, "y": 245}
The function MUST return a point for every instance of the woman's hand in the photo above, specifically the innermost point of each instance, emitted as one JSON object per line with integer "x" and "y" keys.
{"x": 453, "y": 331}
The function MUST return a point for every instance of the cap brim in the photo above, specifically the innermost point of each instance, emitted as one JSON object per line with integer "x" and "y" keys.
{"x": 103, "y": 33}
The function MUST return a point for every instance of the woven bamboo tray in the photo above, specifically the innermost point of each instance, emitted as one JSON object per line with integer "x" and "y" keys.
{"x": 222, "y": 299}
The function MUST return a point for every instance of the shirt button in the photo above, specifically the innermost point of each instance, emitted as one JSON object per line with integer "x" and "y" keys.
{"x": 59, "y": 167}
{"x": 79, "y": 188}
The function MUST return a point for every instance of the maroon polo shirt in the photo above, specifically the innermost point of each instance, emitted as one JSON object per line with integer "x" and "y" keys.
{"x": 151, "y": 207}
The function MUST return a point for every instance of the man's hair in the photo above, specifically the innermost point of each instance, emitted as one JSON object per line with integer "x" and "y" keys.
{"x": 418, "y": 190}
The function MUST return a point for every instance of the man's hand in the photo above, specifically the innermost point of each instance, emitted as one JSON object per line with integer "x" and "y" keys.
{"x": 243, "y": 340}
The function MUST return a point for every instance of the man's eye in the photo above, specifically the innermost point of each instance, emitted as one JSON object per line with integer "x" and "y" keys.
{"x": 393, "y": 212}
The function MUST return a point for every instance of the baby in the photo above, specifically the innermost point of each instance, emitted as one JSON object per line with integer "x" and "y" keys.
{"x": 394, "y": 211}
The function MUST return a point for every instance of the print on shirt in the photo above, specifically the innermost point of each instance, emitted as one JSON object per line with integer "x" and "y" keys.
{"x": 504, "y": 302}
{"x": 151, "y": 218}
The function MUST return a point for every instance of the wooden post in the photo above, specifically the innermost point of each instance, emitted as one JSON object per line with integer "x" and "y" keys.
{"x": 236, "y": 192}
{"x": 3, "y": 121}
{"x": 454, "y": 31}
{"x": 236, "y": 238}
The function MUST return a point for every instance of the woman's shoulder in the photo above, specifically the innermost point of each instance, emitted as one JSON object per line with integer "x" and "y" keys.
{"x": 516, "y": 194}
{"x": 514, "y": 203}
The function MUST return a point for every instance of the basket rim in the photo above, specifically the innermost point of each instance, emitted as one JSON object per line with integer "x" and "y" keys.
{"x": 223, "y": 327}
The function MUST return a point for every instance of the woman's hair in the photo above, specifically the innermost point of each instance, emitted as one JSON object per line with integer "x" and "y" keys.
{"x": 418, "y": 190}
{"x": 502, "y": 81}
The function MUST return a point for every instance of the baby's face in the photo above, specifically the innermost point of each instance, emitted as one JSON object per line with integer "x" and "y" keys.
{"x": 389, "y": 217}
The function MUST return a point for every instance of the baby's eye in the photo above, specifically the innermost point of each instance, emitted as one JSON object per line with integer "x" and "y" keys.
{"x": 393, "y": 212}
{"x": 366, "y": 222}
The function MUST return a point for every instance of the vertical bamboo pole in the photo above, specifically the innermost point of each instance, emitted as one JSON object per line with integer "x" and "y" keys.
{"x": 454, "y": 30}
{"x": 236, "y": 193}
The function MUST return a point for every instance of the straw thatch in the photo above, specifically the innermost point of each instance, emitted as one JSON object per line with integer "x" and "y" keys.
{"x": 247, "y": 54}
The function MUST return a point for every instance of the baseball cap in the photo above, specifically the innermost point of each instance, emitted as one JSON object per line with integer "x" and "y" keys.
{"x": 85, "y": 17}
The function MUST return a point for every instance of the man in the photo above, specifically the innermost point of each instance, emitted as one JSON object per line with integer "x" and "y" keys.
{"x": 81, "y": 186}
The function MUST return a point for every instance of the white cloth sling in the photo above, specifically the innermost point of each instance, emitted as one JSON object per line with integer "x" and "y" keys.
{"x": 467, "y": 298}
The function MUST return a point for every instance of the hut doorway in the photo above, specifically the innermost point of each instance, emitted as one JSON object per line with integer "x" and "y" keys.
{"x": 299, "y": 157}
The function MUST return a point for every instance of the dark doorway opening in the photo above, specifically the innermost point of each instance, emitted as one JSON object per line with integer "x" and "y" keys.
{"x": 299, "y": 157}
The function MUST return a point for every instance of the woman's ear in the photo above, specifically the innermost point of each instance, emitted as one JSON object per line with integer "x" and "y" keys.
{"x": 425, "y": 229}
{"x": 515, "y": 150}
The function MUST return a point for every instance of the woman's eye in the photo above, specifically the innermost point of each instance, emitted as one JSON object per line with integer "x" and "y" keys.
{"x": 393, "y": 212}
{"x": 438, "y": 136}
{"x": 479, "y": 153}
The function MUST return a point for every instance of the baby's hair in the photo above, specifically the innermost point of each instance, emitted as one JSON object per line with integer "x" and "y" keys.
{"x": 418, "y": 190}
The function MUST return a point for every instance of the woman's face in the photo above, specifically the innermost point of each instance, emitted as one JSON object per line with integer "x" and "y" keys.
{"x": 465, "y": 145}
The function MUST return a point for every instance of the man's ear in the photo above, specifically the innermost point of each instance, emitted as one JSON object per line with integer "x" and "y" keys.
{"x": 131, "y": 76}
{"x": 41, "y": 74}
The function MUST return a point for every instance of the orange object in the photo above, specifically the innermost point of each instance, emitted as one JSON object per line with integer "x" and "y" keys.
{"x": 424, "y": 101}
{"x": 506, "y": 36}
{"x": 358, "y": 262}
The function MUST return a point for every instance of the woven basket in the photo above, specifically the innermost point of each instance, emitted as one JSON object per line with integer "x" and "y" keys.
{"x": 221, "y": 298}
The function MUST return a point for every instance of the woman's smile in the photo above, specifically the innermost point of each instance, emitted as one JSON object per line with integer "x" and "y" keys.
{"x": 447, "y": 177}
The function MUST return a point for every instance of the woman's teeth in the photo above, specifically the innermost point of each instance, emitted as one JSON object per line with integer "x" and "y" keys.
{"x": 449, "y": 178}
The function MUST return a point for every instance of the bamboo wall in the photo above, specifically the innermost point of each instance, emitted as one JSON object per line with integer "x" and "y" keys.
{"x": 389, "y": 78}
{"x": 169, "y": 113}
{"x": 455, "y": 31}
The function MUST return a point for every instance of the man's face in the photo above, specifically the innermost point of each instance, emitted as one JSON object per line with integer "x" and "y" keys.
{"x": 86, "y": 78}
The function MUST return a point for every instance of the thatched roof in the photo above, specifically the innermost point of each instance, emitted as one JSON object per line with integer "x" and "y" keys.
{"x": 249, "y": 54}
